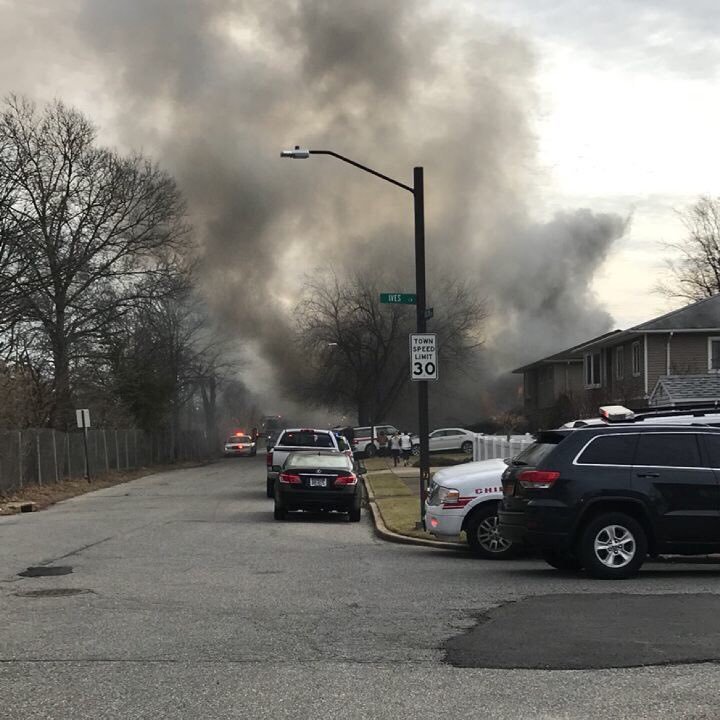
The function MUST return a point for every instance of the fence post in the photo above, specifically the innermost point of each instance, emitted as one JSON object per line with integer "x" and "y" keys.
{"x": 57, "y": 476}
{"x": 117, "y": 452}
{"x": 107, "y": 461}
{"x": 69, "y": 453}
{"x": 20, "y": 456}
{"x": 37, "y": 455}
{"x": 127, "y": 452}
{"x": 135, "y": 444}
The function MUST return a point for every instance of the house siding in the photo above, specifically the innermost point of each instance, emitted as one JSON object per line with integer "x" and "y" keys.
{"x": 657, "y": 359}
{"x": 689, "y": 353}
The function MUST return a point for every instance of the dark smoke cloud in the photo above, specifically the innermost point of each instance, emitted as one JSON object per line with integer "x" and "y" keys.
{"x": 214, "y": 90}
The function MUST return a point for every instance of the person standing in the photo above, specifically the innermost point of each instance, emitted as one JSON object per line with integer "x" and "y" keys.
{"x": 395, "y": 448}
{"x": 406, "y": 447}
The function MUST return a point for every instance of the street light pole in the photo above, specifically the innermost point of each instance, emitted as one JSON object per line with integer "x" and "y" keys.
{"x": 421, "y": 323}
{"x": 418, "y": 192}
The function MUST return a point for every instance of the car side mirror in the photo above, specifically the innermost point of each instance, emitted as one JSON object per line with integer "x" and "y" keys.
{"x": 507, "y": 461}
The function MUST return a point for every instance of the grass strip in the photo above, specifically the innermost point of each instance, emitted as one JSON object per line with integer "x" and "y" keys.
{"x": 400, "y": 509}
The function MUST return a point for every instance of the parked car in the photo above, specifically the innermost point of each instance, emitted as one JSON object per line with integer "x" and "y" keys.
{"x": 300, "y": 440}
{"x": 603, "y": 498}
{"x": 466, "y": 498}
{"x": 363, "y": 443}
{"x": 240, "y": 444}
{"x": 447, "y": 439}
{"x": 318, "y": 481}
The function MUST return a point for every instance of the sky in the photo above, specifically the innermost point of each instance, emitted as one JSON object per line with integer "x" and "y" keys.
{"x": 543, "y": 126}
{"x": 628, "y": 119}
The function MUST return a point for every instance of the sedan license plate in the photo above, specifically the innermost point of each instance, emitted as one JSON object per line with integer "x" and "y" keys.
{"x": 318, "y": 482}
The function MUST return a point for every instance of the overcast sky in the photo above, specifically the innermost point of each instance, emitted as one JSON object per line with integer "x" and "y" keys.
{"x": 629, "y": 118}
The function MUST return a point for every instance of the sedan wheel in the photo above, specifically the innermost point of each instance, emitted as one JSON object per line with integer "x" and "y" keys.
{"x": 484, "y": 539}
{"x": 415, "y": 450}
{"x": 467, "y": 447}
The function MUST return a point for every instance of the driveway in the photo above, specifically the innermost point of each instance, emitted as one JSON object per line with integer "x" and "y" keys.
{"x": 182, "y": 598}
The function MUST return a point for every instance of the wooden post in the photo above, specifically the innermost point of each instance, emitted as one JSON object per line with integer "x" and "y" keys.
{"x": 107, "y": 461}
{"x": 37, "y": 455}
{"x": 57, "y": 475}
{"x": 20, "y": 457}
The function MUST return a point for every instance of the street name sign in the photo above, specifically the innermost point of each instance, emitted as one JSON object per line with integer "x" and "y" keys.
{"x": 398, "y": 298}
{"x": 423, "y": 356}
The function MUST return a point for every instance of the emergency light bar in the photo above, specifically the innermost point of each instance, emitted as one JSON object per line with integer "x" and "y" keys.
{"x": 616, "y": 413}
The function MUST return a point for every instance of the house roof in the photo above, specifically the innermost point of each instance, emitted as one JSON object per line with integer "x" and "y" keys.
{"x": 696, "y": 317}
{"x": 688, "y": 388}
{"x": 569, "y": 355}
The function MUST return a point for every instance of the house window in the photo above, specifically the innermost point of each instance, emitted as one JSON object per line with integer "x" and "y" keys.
{"x": 636, "y": 359}
{"x": 592, "y": 370}
{"x": 714, "y": 354}
{"x": 620, "y": 363}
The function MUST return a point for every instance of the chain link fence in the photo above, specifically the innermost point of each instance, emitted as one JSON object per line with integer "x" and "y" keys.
{"x": 49, "y": 456}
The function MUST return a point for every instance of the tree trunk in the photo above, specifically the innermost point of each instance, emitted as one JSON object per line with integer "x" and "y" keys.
{"x": 208, "y": 389}
{"x": 61, "y": 414}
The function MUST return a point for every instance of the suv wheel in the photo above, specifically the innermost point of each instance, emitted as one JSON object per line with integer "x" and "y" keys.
{"x": 467, "y": 447}
{"x": 562, "y": 560}
{"x": 370, "y": 450}
{"x": 613, "y": 546}
{"x": 483, "y": 537}
{"x": 270, "y": 488}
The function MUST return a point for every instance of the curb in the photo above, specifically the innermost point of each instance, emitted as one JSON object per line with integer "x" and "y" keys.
{"x": 383, "y": 532}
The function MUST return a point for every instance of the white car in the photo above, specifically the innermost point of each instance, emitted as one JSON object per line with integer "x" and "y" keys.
{"x": 466, "y": 498}
{"x": 448, "y": 439}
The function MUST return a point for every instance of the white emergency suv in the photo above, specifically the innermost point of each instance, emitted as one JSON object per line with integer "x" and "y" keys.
{"x": 466, "y": 498}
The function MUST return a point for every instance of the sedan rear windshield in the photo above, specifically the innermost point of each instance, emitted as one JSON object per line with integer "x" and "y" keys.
{"x": 303, "y": 438}
{"x": 534, "y": 454}
{"x": 333, "y": 462}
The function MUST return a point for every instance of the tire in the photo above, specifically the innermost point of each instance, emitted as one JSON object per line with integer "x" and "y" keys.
{"x": 613, "y": 546}
{"x": 270, "y": 489}
{"x": 563, "y": 561}
{"x": 467, "y": 447}
{"x": 279, "y": 513}
{"x": 482, "y": 536}
{"x": 415, "y": 450}
{"x": 355, "y": 514}
{"x": 370, "y": 450}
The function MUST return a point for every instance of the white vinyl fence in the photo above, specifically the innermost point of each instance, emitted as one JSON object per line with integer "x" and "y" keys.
{"x": 489, "y": 447}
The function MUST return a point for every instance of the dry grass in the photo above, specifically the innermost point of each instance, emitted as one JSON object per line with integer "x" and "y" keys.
{"x": 46, "y": 495}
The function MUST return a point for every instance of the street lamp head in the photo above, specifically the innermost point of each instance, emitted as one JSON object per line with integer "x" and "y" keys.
{"x": 297, "y": 154}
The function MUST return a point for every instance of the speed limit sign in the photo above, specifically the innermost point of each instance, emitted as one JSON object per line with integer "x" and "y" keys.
{"x": 423, "y": 357}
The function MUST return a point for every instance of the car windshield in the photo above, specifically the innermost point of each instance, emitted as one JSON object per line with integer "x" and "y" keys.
{"x": 316, "y": 460}
{"x": 306, "y": 438}
{"x": 235, "y": 439}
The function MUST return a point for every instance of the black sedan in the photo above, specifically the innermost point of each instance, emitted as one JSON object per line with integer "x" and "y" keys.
{"x": 322, "y": 480}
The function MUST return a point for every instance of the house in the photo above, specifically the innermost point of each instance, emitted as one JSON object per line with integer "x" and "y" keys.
{"x": 673, "y": 359}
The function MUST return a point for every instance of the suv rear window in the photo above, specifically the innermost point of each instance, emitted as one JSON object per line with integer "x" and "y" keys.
{"x": 668, "y": 450}
{"x": 534, "y": 454}
{"x": 609, "y": 450}
{"x": 303, "y": 438}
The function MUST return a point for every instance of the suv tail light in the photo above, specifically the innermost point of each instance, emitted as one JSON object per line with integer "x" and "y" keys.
{"x": 290, "y": 479}
{"x": 268, "y": 459}
{"x": 346, "y": 479}
{"x": 541, "y": 479}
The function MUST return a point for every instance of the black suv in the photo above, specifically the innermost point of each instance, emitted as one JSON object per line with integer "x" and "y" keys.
{"x": 603, "y": 498}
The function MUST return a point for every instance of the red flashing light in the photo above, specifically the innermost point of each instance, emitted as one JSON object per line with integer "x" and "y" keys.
{"x": 290, "y": 478}
{"x": 540, "y": 479}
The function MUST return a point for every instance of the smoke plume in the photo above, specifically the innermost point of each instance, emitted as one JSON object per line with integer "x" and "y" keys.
{"x": 214, "y": 89}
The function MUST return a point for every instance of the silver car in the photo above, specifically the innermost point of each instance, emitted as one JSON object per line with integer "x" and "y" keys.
{"x": 447, "y": 439}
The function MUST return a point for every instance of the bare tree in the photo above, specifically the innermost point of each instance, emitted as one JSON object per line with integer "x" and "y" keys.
{"x": 357, "y": 349}
{"x": 696, "y": 275}
{"x": 95, "y": 233}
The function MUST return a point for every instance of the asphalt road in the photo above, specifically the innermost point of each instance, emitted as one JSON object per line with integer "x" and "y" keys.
{"x": 196, "y": 604}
